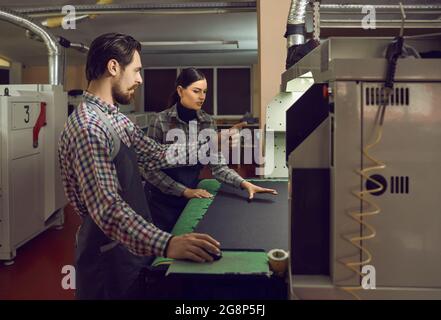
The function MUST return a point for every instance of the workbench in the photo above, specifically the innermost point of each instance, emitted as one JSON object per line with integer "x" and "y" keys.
{"x": 247, "y": 230}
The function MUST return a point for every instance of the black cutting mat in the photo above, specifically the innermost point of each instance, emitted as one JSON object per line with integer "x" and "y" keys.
{"x": 239, "y": 224}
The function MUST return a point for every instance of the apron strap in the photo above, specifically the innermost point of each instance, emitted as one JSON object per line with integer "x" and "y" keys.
{"x": 116, "y": 139}
{"x": 116, "y": 147}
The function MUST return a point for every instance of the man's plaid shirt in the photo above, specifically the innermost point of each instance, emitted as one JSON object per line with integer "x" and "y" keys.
{"x": 89, "y": 175}
{"x": 168, "y": 119}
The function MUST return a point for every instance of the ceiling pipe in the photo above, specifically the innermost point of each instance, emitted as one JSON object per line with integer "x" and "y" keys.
{"x": 159, "y": 8}
{"x": 382, "y": 6}
{"x": 295, "y": 33}
{"x": 81, "y": 47}
{"x": 295, "y": 28}
{"x": 54, "y": 51}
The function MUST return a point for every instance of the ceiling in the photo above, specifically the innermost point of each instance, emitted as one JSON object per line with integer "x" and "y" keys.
{"x": 234, "y": 26}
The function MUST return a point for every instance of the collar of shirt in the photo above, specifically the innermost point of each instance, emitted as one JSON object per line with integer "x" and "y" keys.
{"x": 104, "y": 106}
{"x": 202, "y": 116}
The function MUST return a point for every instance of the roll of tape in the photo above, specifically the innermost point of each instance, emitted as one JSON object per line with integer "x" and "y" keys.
{"x": 278, "y": 260}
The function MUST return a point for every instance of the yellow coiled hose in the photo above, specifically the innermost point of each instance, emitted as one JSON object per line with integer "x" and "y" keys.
{"x": 368, "y": 231}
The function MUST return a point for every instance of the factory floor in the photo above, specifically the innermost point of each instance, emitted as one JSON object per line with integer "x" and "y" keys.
{"x": 37, "y": 270}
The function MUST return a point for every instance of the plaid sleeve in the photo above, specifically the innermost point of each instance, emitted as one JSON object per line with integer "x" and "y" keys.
{"x": 98, "y": 185}
{"x": 157, "y": 177}
{"x": 221, "y": 171}
{"x": 153, "y": 156}
{"x": 155, "y": 130}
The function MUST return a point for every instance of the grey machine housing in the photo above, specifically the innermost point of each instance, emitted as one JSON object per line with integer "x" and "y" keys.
{"x": 326, "y": 131}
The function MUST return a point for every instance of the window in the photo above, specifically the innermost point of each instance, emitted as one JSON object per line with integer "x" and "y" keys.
{"x": 228, "y": 94}
{"x": 4, "y": 76}
{"x": 233, "y": 91}
{"x": 158, "y": 87}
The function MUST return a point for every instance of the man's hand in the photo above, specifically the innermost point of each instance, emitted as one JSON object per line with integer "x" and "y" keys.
{"x": 196, "y": 193}
{"x": 193, "y": 246}
{"x": 252, "y": 189}
{"x": 232, "y": 133}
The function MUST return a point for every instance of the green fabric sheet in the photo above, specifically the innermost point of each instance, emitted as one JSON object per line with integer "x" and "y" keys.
{"x": 189, "y": 219}
{"x": 232, "y": 262}
{"x": 194, "y": 211}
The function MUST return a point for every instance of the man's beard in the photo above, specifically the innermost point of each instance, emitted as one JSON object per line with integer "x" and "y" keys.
{"x": 121, "y": 97}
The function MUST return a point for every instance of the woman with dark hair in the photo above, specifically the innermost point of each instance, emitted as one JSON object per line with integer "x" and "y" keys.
{"x": 170, "y": 189}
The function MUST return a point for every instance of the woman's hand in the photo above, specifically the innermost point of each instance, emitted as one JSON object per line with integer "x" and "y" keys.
{"x": 196, "y": 193}
{"x": 252, "y": 189}
{"x": 231, "y": 137}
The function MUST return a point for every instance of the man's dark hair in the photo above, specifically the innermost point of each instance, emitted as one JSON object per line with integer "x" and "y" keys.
{"x": 109, "y": 46}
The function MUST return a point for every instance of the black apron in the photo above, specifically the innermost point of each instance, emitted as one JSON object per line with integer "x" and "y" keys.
{"x": 166, "y": 208}
{"x": 105, "y": 269}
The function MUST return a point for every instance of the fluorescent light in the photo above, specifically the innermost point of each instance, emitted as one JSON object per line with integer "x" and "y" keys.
{"x": 4, "y": 63}
{"x": 189, "y": 43}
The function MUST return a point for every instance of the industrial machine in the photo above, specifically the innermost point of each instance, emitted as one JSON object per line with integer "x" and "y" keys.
{"x": 32, "y": 117}
{"x": 363, "y": 165}
{"x": 275, "y": 128}
{"x": 32, "y": 197}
